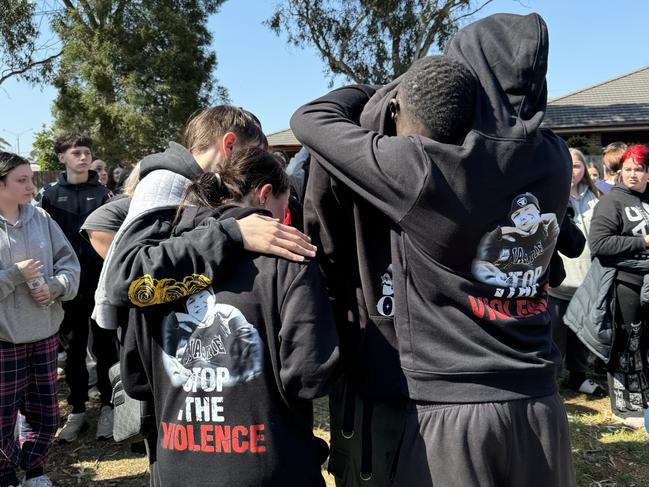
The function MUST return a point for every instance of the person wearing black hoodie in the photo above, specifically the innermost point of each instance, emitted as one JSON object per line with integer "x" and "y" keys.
{"x": 478, "y": 356}
{"x": 78, "y": 193}
{"x": 142, "y": 242}
{"x": 620, "y": 229}
{"x": 232, "y": 368}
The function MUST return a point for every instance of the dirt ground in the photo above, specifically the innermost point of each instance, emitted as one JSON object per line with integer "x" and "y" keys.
{"x": 606, "y": 453}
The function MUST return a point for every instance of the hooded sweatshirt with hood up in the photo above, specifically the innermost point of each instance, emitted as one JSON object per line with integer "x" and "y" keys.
{"x": 474, "y": 226}
{"x": 34, "y": 236}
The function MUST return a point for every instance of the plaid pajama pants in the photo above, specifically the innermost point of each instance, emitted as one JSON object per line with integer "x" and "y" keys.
{"x": 28, "y": 384}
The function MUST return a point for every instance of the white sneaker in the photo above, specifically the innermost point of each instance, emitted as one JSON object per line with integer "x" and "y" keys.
{"x": 635, "y": 422}
{"x": 75, "y": 424}
{"x": 40, "y": 481}
{"x": 105, "y": 423}
{"x": 60, "y": 364}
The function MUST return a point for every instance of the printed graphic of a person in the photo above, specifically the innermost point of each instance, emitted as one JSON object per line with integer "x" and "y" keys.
{"x": 516, "y": 256}
{"x": 210, "y": 335}
{"x": 385, "y": 306}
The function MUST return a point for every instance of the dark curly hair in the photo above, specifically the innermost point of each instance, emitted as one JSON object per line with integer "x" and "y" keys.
{"x": 440, "y": 93}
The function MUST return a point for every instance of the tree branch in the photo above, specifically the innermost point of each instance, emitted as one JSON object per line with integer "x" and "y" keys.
{"x": 469, "y": 14}
{"x": 16, "y": 72}
{"x": 325, "y": 51}
{"x": 89, "y": 13}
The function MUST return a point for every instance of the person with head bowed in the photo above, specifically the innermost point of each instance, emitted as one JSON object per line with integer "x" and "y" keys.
{"x": 233, "y": 363}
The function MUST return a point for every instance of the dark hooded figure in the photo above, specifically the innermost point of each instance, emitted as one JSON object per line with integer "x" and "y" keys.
{"x": 478, "y": 356}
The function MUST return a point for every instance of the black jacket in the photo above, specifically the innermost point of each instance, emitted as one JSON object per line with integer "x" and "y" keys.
{"x": 469, "y": 329}
{"x": 620, "y": 222}
{"x": 353, "y": 240}
{"x": 69, "y": 205}
{"x": 232, "y": 371}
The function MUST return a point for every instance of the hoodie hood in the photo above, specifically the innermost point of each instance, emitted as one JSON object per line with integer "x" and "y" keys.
{"x": 508, "y": 54}
{"x": 26, "y": 214}
{"x": 93, "y": 179}
{"x": 176, "y": 159}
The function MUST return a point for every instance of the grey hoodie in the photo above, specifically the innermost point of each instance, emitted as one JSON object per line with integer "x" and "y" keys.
{"x": 34, "y": 236}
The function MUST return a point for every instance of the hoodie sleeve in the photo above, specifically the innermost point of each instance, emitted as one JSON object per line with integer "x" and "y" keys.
{"x": 148, "y": 266}
{"x": 9, "y": 279}
{"x": 605, "y": 228}
{"x": 326, "y": 222}
{"x": 308, "y": 351}
{"x": 64, "y": 282}
{"x": 571, "y": 240}
{"x": 388, "y": 172}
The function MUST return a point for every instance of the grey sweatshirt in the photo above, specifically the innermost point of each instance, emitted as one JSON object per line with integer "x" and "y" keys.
{"x": 34, "y": 236}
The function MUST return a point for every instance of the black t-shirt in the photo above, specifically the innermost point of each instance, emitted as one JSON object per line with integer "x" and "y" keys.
{"x": 109, "y": 217}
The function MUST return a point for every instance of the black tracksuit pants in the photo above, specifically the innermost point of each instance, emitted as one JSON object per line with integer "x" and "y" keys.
{"x": 73, "y": 334}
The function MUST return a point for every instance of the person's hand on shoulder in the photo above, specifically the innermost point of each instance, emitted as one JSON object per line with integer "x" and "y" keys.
{"x": 267, "y": 235}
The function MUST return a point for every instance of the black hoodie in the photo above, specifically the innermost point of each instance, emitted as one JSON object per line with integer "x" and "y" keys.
{"x": 69, "y": 205}
{"x": 232, "y": 371}
{"x": 353, "y": 241}
{"x": 470, "y": 268}
{"x": 618, "y": 228}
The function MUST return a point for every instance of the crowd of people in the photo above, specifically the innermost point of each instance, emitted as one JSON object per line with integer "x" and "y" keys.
{"x": 430, "y": 260}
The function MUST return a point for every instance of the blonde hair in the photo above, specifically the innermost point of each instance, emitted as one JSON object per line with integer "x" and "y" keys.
{"x": 579, "y": 155}
{"x": 131, "y": 181}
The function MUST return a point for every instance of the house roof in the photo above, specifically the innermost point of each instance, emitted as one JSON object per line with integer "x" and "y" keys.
{"x": 282, "y": 138}
{"x": 621, "y": 101}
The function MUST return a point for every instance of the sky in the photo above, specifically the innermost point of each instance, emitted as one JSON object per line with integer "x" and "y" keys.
{"x": 590, "y": 41}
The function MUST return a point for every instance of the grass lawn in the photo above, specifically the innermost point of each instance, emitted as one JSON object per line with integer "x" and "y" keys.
{"x": 606, "y": 453}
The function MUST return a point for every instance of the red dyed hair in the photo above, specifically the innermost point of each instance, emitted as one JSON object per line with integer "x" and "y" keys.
{"x": 639, "y": 153}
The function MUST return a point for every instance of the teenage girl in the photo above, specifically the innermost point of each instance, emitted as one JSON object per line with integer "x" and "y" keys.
{"x": 38, "y": 269}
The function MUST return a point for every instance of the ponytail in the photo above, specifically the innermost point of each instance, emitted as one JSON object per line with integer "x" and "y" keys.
{"x": 244, "y": 171}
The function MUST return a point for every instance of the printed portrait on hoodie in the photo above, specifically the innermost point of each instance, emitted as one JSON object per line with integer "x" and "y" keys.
{"x": 514, "y": 257}
{"x": 210, "y": 337}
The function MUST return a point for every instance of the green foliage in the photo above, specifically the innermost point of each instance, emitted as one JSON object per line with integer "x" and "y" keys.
{"x": 3, "y": 144}
{"x": 132, "y": 73}
{"x": 20, "y": 53}
{"x": 42, "y": 152}
{"x": 129, "y": 73}
{"x": 370, "y": 41}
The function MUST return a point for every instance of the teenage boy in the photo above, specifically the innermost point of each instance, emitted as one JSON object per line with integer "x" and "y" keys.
{"x": 478, "y": 357}
{"x": 143, "y": 241}
{"x": 76, "y": 194}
